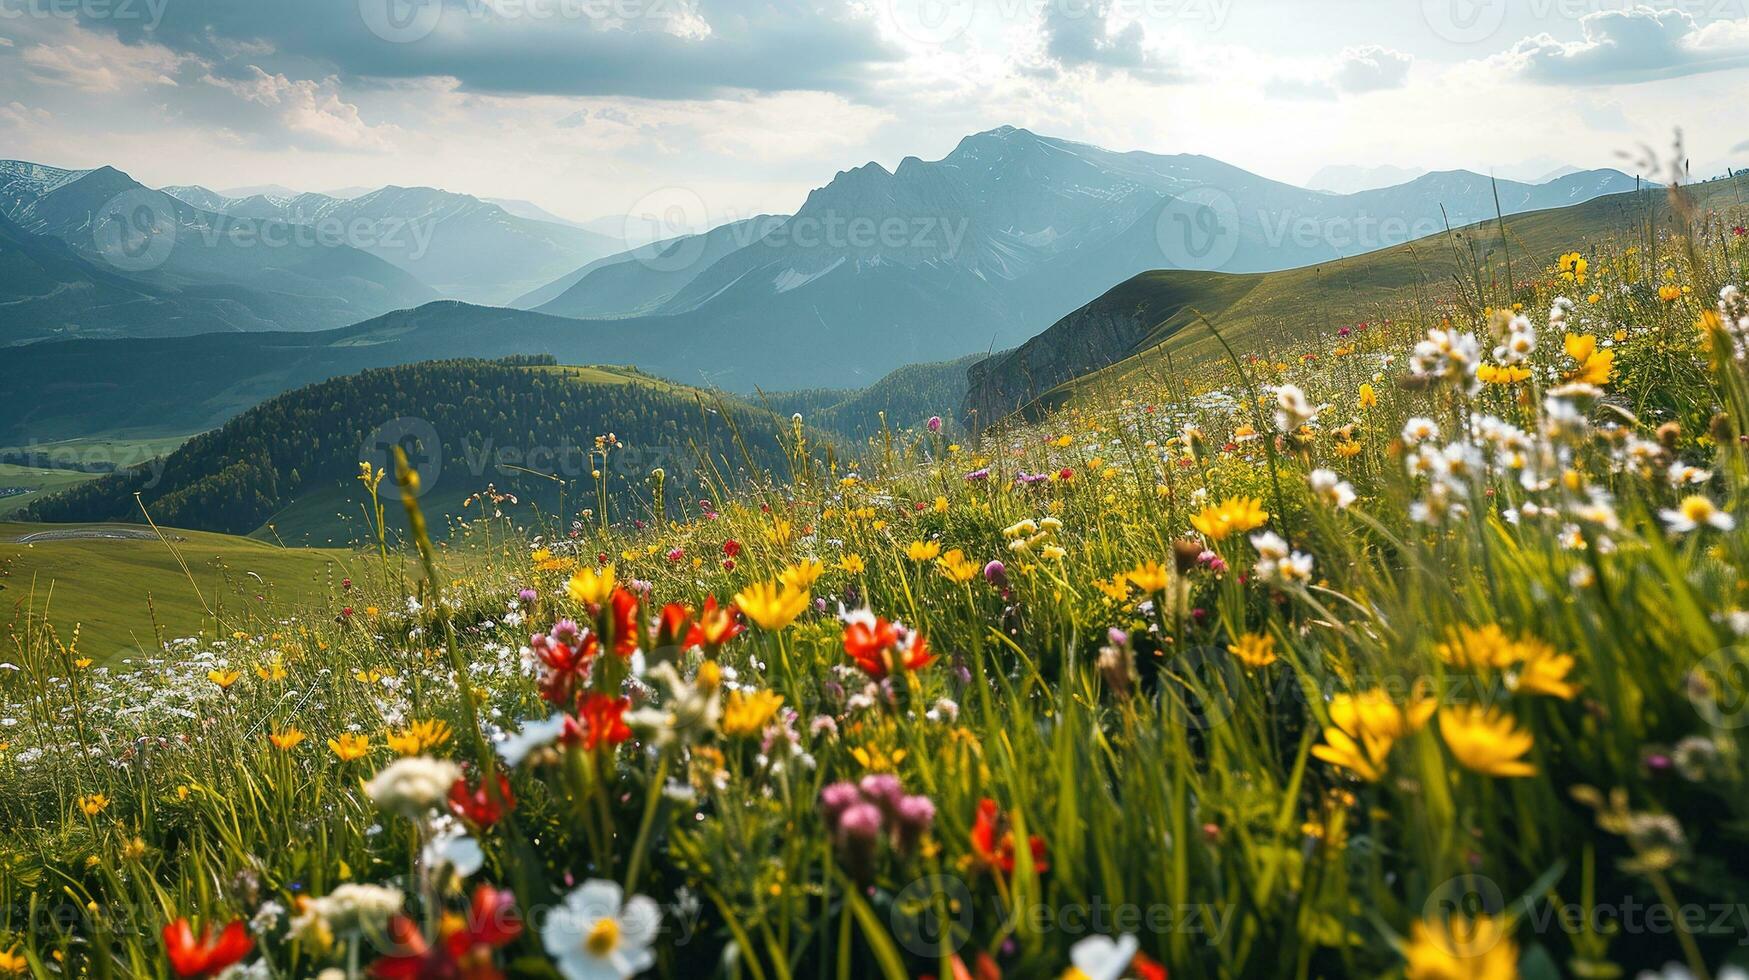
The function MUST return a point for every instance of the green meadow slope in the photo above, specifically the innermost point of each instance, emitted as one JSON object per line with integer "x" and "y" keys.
{"x": 117, "y": 583}
{"x": 1153, "y": 323}
{"x": 523, "y": 429}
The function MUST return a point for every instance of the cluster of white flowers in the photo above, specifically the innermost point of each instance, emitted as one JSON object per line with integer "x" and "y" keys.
{"x": 412, "y": 786}
{"x": 1279, "y": 564}
{"x": 349, "y": 910}
{"x": 1447, "y": 355}
{"x": 1734, "y": 319}
{"x": 1331, "y": 489}
{"x": 1293, "y": 409}
{"x": 1520, "y": 340}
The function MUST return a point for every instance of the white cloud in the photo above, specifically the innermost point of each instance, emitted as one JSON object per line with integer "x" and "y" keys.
{"x": 307, "y": 107}
{"x": 1355, "y": 71}
{"x": 1089, "y": 36}
{"x": 95, "y": 63}
{"x": 1639, "y": 44}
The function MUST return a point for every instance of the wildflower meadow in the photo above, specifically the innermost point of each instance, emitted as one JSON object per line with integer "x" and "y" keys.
{"x": 1416, "y": 648}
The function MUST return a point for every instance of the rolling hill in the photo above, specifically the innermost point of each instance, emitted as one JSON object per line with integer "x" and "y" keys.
{"x": 205, "y": 270}
{"x": 288, "y": 468}
{"x": 118, "y": 584}
{"x": 460, "y": 246}
{"x": 1151, "y": 322}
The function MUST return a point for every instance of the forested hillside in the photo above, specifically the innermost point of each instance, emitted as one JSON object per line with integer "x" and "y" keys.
{"x": 523, "y": 426}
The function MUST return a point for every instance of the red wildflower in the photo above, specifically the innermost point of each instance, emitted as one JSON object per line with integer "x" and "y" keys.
{"x": 464, "y": 947}
{"x": 731, "y": 547}
{"x": 209, "y": 955}
{"x": 674, "y": 628}
{"x": 993, "y": 841}
{"x": 1146, "y": 967}
{"x": 567, "y": 665}
{"x": 880, "y": 647}
{"x": 717, "y": 625}
{"x": 600, "y": 720}
{"x": 477, "y": 806}
{"x": 625, "y": 622}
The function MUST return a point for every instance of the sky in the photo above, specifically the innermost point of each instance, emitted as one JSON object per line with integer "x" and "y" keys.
{"x": 728, "y": 108}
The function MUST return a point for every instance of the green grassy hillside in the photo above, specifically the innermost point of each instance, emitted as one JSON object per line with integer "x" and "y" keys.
{"x": 23, "y": 485}
{"x": 517, "y": 438}
{"x": 118, "y": 583}
{"x": 1150, "y": 325}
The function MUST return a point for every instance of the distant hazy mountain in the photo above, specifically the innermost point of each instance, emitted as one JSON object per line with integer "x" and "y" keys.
{"x": 534, "y": 212}
{"x": 185, "y": 384}
{"x": 1006, "y": 234}
{"x": 1350, "y": 179}
{"x": 460, "y": 246}
{"x": 643, "y": 279}
{"x": 193, "y": 269}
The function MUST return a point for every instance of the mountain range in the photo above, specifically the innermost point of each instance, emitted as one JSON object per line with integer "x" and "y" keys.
{"x": 182, "y": 269}
{"x": 977, "y": 251}
{"x": 179, "y": 385}
{"x": 460, "y": 246}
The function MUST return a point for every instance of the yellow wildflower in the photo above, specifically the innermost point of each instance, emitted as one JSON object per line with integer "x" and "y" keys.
{"x": 852, "y": 563}
{"x": 350, "y": 746}
{"x": 802, "y": 575}
{"x": 1150, "y": 576}
{"x": 1461, "y": 948}
{"x": 747, "y": 714}
{"x": 1368, "y": 397}
{"x": 1478, "y": 648}
{"x": 1254, "y": 649}
{"x": 1486, "y": 740}
{"x": 1543, "y": 671}
{"x": 1234, "y": 515}
{"x": 420, "y": 736}
{"x": 94, "y": 804}
{"x": 224, "y": 678}
{"x": 769, "y": 606}
{"x": 923, "y": 550}
{"x": 286, "y": 740}
{"x": 591, "y": 587}
{"x": 957, "y": 567}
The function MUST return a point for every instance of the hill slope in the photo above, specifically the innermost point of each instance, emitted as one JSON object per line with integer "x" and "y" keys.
{"x": 526, "y": 428}
{"x": 1141, "y": 323}
{"x": 119, "y": 583}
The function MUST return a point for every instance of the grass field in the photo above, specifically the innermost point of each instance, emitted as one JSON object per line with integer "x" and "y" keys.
{"x": 118, "y": 590}
{"x": 37, "y": 480}
{"x": 1415, "y": 651}
{"x": 1172, "y": 310}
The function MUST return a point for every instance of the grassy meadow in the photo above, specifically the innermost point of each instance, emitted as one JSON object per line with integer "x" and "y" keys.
{"x": 126, "y": 590}
{"x": 1411, "y": 644}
